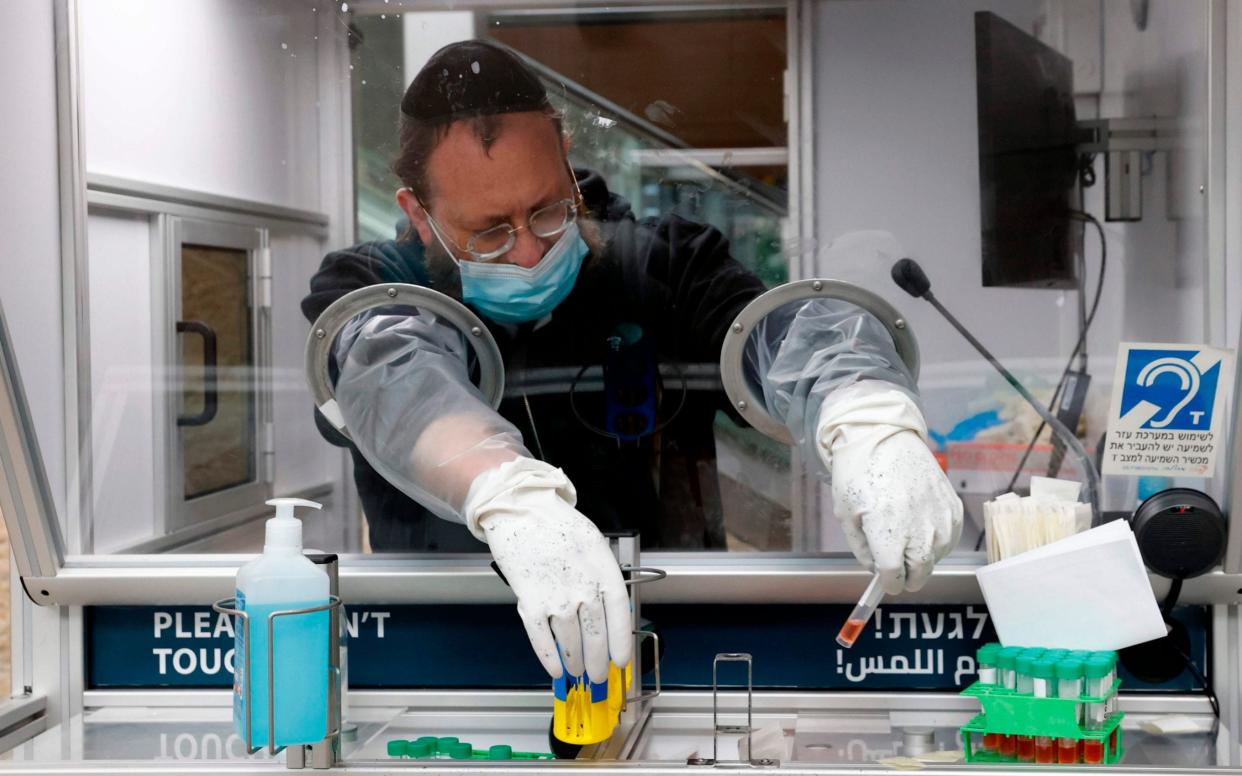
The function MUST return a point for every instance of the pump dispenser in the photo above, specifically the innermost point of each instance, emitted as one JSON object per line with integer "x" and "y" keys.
{"x": 282, "y": 579}
{"x": 284, "y": 531}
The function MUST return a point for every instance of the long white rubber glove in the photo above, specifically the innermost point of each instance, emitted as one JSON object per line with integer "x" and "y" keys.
{"x": 899, "y": 511}
{"x": 568, "y": 584}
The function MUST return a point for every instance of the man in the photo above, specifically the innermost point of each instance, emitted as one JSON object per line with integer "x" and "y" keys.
{"x": 557, "y": 267}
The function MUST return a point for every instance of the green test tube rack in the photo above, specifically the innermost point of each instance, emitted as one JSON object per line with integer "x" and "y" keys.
{"x": 1009, "y": 713}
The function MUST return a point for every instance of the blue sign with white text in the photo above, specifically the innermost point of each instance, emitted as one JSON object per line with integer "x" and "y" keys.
{"x": 903, "y": 647}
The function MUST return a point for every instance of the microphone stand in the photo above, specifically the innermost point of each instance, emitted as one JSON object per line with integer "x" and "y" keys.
{"x": 910, "y": 276}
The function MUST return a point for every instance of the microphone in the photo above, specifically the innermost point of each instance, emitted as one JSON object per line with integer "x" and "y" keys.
{"x": 910, "y": 276}
{"x": 913, "y": 280}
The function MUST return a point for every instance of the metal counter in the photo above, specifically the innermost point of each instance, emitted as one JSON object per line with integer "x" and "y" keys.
{"x": 831, "y": 734}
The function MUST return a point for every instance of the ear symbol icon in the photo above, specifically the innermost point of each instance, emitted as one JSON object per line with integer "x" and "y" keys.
{"x": 1183, "y": 369}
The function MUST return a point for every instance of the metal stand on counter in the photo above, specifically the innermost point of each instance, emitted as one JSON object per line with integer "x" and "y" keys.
{"x": 324, "y": 753}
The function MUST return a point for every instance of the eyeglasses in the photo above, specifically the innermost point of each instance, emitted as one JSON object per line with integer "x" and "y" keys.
{"x": 491, "y": 244}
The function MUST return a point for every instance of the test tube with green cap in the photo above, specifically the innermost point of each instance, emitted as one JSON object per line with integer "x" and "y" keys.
{"x": 1096, "y": 671}
{"x": 1007, "y": 667}
{"x": 1111, "y": 705}
{"x": 1069, "y": 685}
{"x": 1043, "y": 676}
{"x": 1024, "y": 682}
{"x": 986, "y": 666}
{"x": 1043, "y": 673}
{"x": 1025, "y": 686}
{"x": 1006, "y": 674}
{"x": 985, "y": 663}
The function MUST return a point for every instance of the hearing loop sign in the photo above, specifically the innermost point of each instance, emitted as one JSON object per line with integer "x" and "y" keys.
{"x": 1168, "y": 410}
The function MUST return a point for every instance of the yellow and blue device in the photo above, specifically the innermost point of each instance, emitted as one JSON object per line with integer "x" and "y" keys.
{"x": 586, "y": 712}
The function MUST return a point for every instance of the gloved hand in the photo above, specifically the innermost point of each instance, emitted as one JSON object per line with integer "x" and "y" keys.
{"x": 899, "y": 511}
{"x": 557, "y": 563}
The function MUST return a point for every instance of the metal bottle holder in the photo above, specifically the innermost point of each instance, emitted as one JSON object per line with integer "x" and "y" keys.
{"x": 748, "y": 728}
{"x": 229, "y": 606}
{"x": 641, "y": 575}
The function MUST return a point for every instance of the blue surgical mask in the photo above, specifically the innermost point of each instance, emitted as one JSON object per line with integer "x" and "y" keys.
{"x": 507, "y": 293}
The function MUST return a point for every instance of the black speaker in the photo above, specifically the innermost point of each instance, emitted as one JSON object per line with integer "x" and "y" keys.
{"x": 1180, "y": 532}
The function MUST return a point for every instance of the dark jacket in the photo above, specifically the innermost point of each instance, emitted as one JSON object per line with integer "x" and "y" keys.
{"x": 671, "y": 277}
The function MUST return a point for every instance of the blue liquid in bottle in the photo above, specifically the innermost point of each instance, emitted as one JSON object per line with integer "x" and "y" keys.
{"x": 301, "y": 681}
{"x": 282, "y": 579}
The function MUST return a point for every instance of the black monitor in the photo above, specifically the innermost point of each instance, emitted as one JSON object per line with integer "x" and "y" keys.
{"x": 1027, "y": 162}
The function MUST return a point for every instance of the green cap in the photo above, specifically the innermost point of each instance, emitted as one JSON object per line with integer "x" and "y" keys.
{"x": 1111, "y": 657}
{"x": 1008, "y": 657}
{"x": 1097, "y": 668}
{"x": 987, "y": 654}
{"x": 1025, "y": 662}
{"x": 458, "y": 751}
{"x": 397, "y": 747}
{"x": 500, "y": 752}
{"x": 1070, "y": 668}
{"x": 443, "y": 743}
{"x": 1057, "y": 654}
{"x": 1044, "y": 668}
{"x": 421, "y": 749}
{"x": 1034, "y": 652}
{"x": 1081, "y": 654}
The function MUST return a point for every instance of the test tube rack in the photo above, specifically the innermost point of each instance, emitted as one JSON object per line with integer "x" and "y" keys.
{"x": 1006, "y": 712}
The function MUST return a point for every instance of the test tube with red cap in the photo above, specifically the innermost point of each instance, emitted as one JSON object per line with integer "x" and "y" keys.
{"x": 861, "y": 615}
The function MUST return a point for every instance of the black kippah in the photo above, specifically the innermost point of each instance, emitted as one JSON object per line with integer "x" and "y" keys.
{"x": 472, "y": 78}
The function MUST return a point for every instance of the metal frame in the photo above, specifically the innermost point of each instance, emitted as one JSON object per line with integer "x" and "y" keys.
{"x": 21, "y": 719}
{"x": 674, "y": 701}
{"x": 1216, "y": 213}
{"x": 324, "y": 331}
{"x": 559, "y": 9}
{"x": 807, "y": 496}
{"x": 712, "y": 157}
{"x": 180, "y": 512}
{"x": 75, "y": 276}
{"x": 153, "y": 197}
{"x": 1225, "y": 151}
{"x": 709, "y": 578}
{"x": 194, "y": 575}
{"x": 84, "y": 579}
{"x": 742, "y": 393}
{"x": 25, "y": 495}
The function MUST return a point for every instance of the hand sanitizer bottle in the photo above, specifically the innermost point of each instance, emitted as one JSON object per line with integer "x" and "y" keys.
{"x": 279, "y": 579}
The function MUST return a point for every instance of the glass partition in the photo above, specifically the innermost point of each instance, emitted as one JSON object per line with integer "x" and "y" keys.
{"x": 985, "y": 146}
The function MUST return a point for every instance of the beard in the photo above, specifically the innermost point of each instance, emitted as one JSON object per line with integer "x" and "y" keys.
{"x": 442, "y": 271}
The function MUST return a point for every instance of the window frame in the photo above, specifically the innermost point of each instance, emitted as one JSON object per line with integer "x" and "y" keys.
{"x": 174, "y": 233}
